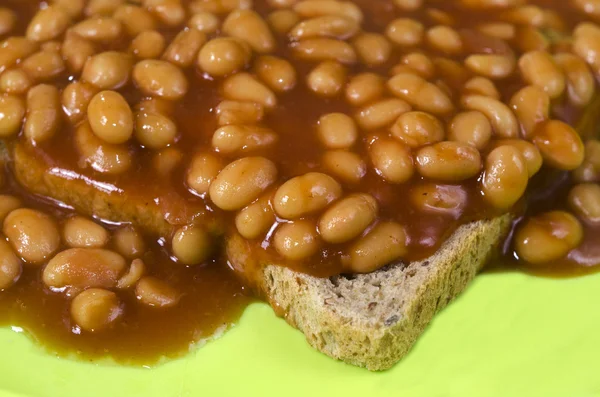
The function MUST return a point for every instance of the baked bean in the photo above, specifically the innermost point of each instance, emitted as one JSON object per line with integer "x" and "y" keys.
{"x": 438, "y": 16}
{"x": 101, "y": 156}
{"x": 203, "y": 169}
{"x": 72, "y": 7}
{"x": 51, "y": 46}
{"x": 205, "y": 22}
{"x": 327, "y": 78}
{"x": 154, "y": 130}
{"x": 7, "y": 205}
{"x": 529, "y": 38}
{"x": 416, "y": 129}
{"x": 223, "y": 55}
{"x": 296, "y": 241}
{"x": 101, "y": 29}
{"x": 579, "y": 79}
{"x": 528, "y": 150}
{"x": 500, "y": 30}
{"x": 43, "y": 113}
{"x": 191, "y": 245}
{"x": 324, "y": 49}
{"x": 32, "y": 234}
{"x": 249, "y": 26}
{"x": 590, "y": 7}
{"x": 471, "y": 128}
{"x": 348, "y": 218}
{"x": 434, "y": 198}
{"x": 10, "y": 266}
{"x": 586, "y": 44}
{"x": 584, "y": 200}
{"x": 15, "y": 81}
{"x": 169, "y": 12}
{"x": 108, "y": 70}
{"x": 481, "y": 86}
{"x": 219, "y": 6}
{"x": 133, "y": 275}
{"x": 494, "y": 66}
{"x": 160, "y": 78}
{"x": 448, "y": 161}
{"x": 43, "y": 65}
{"x": 317, "y": 8}
{"x": 405, "y": 32}
{"x": 344, "y": 165}
{"x": 129, "y": 242}
{"x": 444, "y": 39}
{"x": 241, "y": 182}
{"x": 381, "y": 113}
{"x": 420, "y": 93}
{"x": 184, "y": 48}
{"x": 384, "y": 244}
{"x": 282, "y": 21}
{"x": 525, "y": 15}
{"x": 14, "y": 49}
{"x": 236, "y": 139}
{"x": 48, "y": 23}
{"x": 419, "y": 63}
{"x": 305, "y": 194}
{"x": 363, "y": 88}
{"x": 12, "y": 111}
{"x": 79, "y": 232}
{"x": 8, "y": 20}
{"x": 76, "y": 51}
{"x": 502, "y": 119}
{"x": 531, "y": 106}
{"x": 547, "y": 237}
{"x": 96, "y": 309}
{"x": 255, "y": 220}
{"x": 102, "y": 7}
{"x": 334, "y": 26}
{"x": 110, "y": 117}
{"x": 281, "y": 3}
{"x": 392, "y": 160}
{"x": 337, "y": 131}
{"x": 149, "y": 44}
{"x": 166, "y": 160}
{"x": 451, "y": 73}
{"x": 505, "y": 176}
{"x": 372, "y": 48}
{"x": 244, "y": 87}
{"x": 75, "y": 100}
{"x": 408, "y": 5}
{"x": 235, "y": 112}
{"x": 135, "y": 19}
{"x": 589, "y": 171}
{"x": 156, "y": 293}
{"x": 538, "y": 68}
{"x": 560, "y": 145}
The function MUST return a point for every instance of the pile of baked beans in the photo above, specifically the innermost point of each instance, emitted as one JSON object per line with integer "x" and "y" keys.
{"x": 417, "y": 109}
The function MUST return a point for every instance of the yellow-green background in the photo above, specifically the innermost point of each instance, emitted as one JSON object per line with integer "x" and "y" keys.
{"x": 508, "y": 335}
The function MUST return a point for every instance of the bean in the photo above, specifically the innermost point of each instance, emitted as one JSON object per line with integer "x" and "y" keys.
{"x": 337, "y": 131}
{"x": 346, "y": 166}
{"x": 384, "y": 244}
{"x": 249, "y": 26}
{"x": 416, "y": 129}
{"x": 528, "y": 150}
{"x": 434, "y": 198}
{"x": 493, "y": 66}
{"x": 205, "y": 22}
{"x": 169, "y": 12}
{"x": 79, "y": 232}
{"x": 505, "y": 176}
{"x": 149, "y": 44}
{"x": 14, "y": 49}
{"x": 448, "y": 161}
{"x": 235, "y": 139}
{"x": 8, "y": 20}
{"x": 282, "y": 21}
{"x": 444, "y": 39}
{"x": 100, "y": 29}
{"x": 589, "y": 171}
{"x": 255, "y": 220}
{"x": 560, "y": 145}
{"x": 579, "y": 79}
{"x": 166, "y": 161}
{"x": 305, "y": 194}
{"x": 43, "y": 65}
{"x": 191, "y": 245}
{"x": 372, "y": 48}
{"x": 392, "y": 160}
{"x": 244, "y": 87}
{"x": 108, "y": 70}
{"x": 584, "y": 200}
{"x": 381, "y": 114}
{"x": 317, "y": 8}
{"x": 15, "y": 81}
{"x": 48, "y": 23}
{"x": 327, "y": 79}
{"x": 405, "y": 32}
{"x": 531, "y": 106}
{"x": 241, "y": 182}
{"x": 135, "y": 19}
{"x": 324, "y": 49}
{"x": 156, "y": 293}
{"x": 102, "y": 7}
{"x": 12, "y": 111}
{"x": 43, "y": 113}
{"x": 538, "y": 68}
{"x": 419, "y": 63}
{"x": 219, "y": 6}
{"x": 76, "y": 51}
{"x": 235, "y": 112}
{"x": 96, "y": 309}
{"x": 586, "y": 44}
{"x": 364, "y": 88}
{"x": 75, "y": 100}
{"x": 101, "y": 156}
{"x": 160, "y": 78}
{"x": 110, "y": 117}
{"x": 133, "y": 275}
{"x": 502, "y": 119}
{"x": 223, "y": 55}
{"x": 333, "y": 26}
{"x": 73, "y": 7}
{"x": 348, "y": 218}
{"x": 32, "y": 234}
{"x": 154, "y": 130}
{"x": 10, "y": 266}
{"x": 420, "y": 93}
{"x": 184, "y": 48}
{"x": 408, "y": 5}
{"x": 7, "y": 205}
{"x": 129, "y": 242}
{"x": 203, "y": 169}
{"x": 547, "y": 237}
{"x": 500, "y": 30}
{"x": 472, "y": 128}
{"x": 481, "y": 86}
{"x": 296, "y": 241}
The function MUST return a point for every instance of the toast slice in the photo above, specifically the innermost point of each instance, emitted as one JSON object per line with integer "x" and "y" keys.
{"x": 369, "y": 320}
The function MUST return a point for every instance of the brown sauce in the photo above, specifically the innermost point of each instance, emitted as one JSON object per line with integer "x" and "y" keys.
{"x": 212, "y": 294}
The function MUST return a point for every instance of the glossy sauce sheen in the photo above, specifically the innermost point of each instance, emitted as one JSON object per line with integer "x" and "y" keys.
{"x": 212, "y": 294}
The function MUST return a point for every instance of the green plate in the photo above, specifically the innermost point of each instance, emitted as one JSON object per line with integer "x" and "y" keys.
{"x": 508, "y": 335}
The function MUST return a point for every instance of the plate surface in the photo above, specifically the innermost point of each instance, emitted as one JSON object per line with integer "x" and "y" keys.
{"x": 508, "y": 335}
